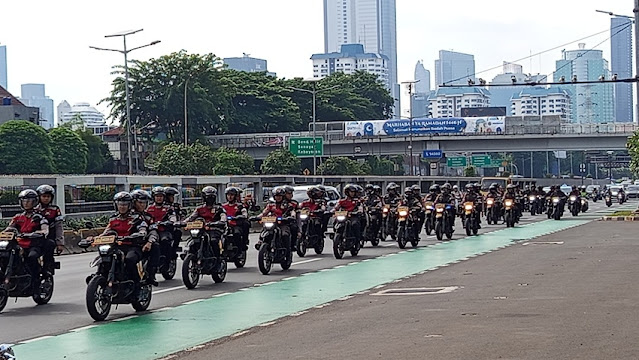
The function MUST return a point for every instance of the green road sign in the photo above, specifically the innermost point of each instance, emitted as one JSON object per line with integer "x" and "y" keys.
{"x": 303, "y": 146}
{"x": 481, "y": 161}
{"x": 458, "y": 161}
{"x": 496, "y": 162}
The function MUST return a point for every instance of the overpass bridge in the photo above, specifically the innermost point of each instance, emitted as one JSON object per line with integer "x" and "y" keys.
{"x": 336, "y": 143}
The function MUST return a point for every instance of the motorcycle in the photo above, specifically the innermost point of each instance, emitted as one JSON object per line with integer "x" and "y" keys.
{"x": 312, "y": 235}
{"x": 390, "y": 223}
{"x": 470, "y": 219}
{"x": 6, "y": 352}
{"x": 405, "y": 227}
{"x": 234, "y": 245}
{"x": 443, "y": 223}
{"x": 492, "y": 211}
{"x": 168, "y": 253}
{"x": 608, "y": 200}
{"x": 110, "y": 284}
{"x": 509, "y": 212}
{"x": 532, "y": 204}
{"x": 344, "y": 240}
{"x": 584, "y": 205}
{"x": 429, "y": 224}
{"x": 14, "y": 275}
{"x": 555, "y": 209}
{"x": 374, "y": 224}
{"x": 273, "y": 248}
{"x": 200, "y": 259}
{"x": 574, "y": 205}
{"x": 621, "y": 198}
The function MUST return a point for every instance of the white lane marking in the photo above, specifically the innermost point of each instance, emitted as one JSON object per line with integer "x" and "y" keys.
{"x": 299, "y": 313}
{"x": 388, "y": 245}
{"x": 168, "y": 289}
{"x": 35, "y": 339}
{"x": 305, "y": 261}
{"x": 163, "y": 309}
{"x": 193, "y": 302}
{"x": 220, "y": 295}
{"x": 265, "y": 284}
{"x": 126, "y": 318}
{"x": 353, "y": 263}
{"x": 339, "y": 266}
{"x": 241, "y": 333}
{"x": 268, "y": 324}
{"x": 345, "y": 298}
{"x": 290, "y": 278}
{"x": 83, "y": 328}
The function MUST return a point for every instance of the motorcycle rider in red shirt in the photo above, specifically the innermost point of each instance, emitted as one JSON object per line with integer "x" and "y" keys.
{"x": 238, "y": 214}
{"x": 281, "y": 209}
{"x": 32, "y": 229}
{"x": 213, "y": 214}
{"x": 54, "y": 217}
{"x": 353, "y": 205}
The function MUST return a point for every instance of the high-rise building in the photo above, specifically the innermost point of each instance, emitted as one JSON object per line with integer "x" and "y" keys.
{"x": 448, "y": 101}
{"x": 350, "y": 59}
{"x": 541, "y": 101}
{"x": 422, "y": 76}
{"x": 590, "y": 103}
{"x": 84, "y": 114}
{"x": 454, "y": 68}
{"x": 247, "y": 63}
{"x": 371, "y": 23}
{"x": 3, "y": 67}
{"x": 34, "y": 95}
{"x": 511, "y": 73}
{"x": 621, "y": 64}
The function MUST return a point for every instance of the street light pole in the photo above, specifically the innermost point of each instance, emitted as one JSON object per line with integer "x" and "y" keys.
{"x": 186, "y": 127}
{"x": 410, "y": 122}
{"x": 129, "y": 126}
{"x": 314, "y": 93}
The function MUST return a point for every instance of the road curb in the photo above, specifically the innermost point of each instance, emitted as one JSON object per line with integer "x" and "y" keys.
{"x": 620, "y": 218}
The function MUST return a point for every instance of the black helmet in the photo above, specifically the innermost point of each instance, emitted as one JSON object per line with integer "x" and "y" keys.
{"x": 30, "y": 195}
{"x": 477, "y": 186}
{"x": 511, "y": 187}
{"x": 235, "y": 191}
{"x": 350, "y": 187}
{"x": 574, "y": 187}
{"x": 140, "y": 195}
{"x": 288, "y": 189}
{"x": 169, "y": 190}
{"x": 369, "y": 188}
{"x": 495, "y": 185}
{"x": 158, "y": 190}
{"x": 416, "y": 189}
{"x": 314, "y": 192}
{"x": 408, "y": 191}
{"x": 492, "y": 188}
{"x": 446, "y": 187}
{"x": 209, "y": 195}
{"x": 468, "y": 187}
{"x": 377, "y": 189}
{"x": 433, "y": 188}
{"x": 45, "y": 189}
{"x": 122, "y": 197}
{"x": 278, "y": 191}
{"x": 392, "y": 186}
{"x": 360, "y": 190}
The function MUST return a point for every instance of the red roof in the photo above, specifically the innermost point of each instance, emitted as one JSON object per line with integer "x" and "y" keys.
{"x": 14, "y": 100}
{"x": 113, "y": 132}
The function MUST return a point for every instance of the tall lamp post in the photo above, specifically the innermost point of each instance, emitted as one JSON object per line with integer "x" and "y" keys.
{"x": 314, "y": 92}
{"x": 410, "y": 85}
{"x": 126, "y": 52}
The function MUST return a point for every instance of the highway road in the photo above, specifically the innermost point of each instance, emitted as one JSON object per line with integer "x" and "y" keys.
{"x": 23, "y": 322}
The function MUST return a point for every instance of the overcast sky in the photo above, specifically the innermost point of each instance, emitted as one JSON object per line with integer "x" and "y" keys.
{"x": 48, "y": 41}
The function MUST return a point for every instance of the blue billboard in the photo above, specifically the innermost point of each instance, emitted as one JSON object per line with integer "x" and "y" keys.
{"x": 426, "y": 126}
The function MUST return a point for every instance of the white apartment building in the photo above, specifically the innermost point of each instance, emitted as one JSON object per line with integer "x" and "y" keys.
{"x": 92, "y": 118}
{"x": 541, "y": 101}
{"x": 448, "y": 101}
{"x": 352, "y": 58}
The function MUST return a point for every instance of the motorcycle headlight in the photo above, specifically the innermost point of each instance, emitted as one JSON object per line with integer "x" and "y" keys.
{"x": 490, "y": 201}
{"x": 104, "y": 249}
{"x": 4, "y": 245}
{"x": 341, "y": 218}
{"x": 303, "y": 217}
{"x": 573, "y": 198}
{"x": 385, "y": 210}
{"x": 583, "y": 201}
{"x": 509, "y": 203}
{"x": 555, "y": 200}
{"x": 440, "y": 210}
{"x": 195, "y": 232}
{"x": 429, "y": 208}
{"x": 269, "y": 225}
{"x": 532, "y": 198}
{"x": 469, "y": 207}
{"x": 403, "y": 213}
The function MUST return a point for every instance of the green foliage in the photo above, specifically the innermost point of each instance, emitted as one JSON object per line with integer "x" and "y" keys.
{"x": 99, "y": 158}
{"x": 93, "y": 221}
{"x": 91, "y": 194}
{"x": 633, "y": 150}
{"x": 380, "y": 166}
{"x": 69, "y": 151}
{"x": 24, "y": 149}
{"x": 8, "y": 198}
{"x": 178, "y": 159}
{"x": 470, "y": 171}
{"x": 281, "y": 162}
{"x": 340, "y": 165}
{"x": 232, "y": 162}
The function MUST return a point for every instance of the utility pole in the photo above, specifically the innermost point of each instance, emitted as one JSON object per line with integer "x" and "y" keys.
{"x": 410, "y": 85}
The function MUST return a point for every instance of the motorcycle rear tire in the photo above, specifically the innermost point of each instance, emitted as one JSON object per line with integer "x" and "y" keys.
{"x": 319, "y": 248}
{"x": 240, "y": 260}
{"x": 264, "y": 260}
{"x": 190, "y": 272}
{"x": 469, "y": 227}
{"x": 171, "y": 269}
{"x": 97, "y": 284}
{"x": 288, "y": 261}
{"x": 219, "y": 276}
{"x": 355, "y": 250}
{"x": 143, "y": 305}
{"x": 301, "y": 247}
{"x": 401, "y": 237}
{"x": 338, "y": 249}
{"x": 38, "y": 298}
{"x": 4, "y": 298}
{"x": 439, "y": 232}
{"x": 375, "y": 242}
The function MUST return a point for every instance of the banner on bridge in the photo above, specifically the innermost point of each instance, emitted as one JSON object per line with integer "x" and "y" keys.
{"x": 426, "y": 126}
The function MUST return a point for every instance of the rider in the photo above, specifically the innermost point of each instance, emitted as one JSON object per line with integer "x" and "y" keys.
{"x": 239, "y": 214}
{"x": 511, "y": 194}
{"x": 295, "y": 229}
{"x": 54, "y": 217}
{"x": 160, "y": 211}
{"x": 280, "y": 208}
{"x": 213, "y": 215}
{"x": 129, "y": 225}
{"x": 417, "y": 193}
{"x": 170, "y": 194}
{"x": 446, "y": 198}
{"x": 351, "y": 203}
{"x": 315, "y": 202}
{"x": 141, "y": 200}
{"x": 29, "y": 223}
{"x": 392, "y": 195}
{"x": 474, "y": 196}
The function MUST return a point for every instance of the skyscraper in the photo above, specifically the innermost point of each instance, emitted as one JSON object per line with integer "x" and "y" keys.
{"x": 454, "y": 68}
{"x": 371, "y": 23}
{"x": 34, "y": 95}
{"x": 590, "y": 103}
{"x": 423, "y": 77}
{"x": 3, "y": 66}
{"x": 247, "y": 63}
{"x": 621, "y": 64}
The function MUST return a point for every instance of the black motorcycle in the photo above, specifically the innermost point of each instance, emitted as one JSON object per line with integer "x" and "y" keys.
{"x": 510, "y": 216}
{"x": 493, "y": 210}
{"x": 345, "y": 239}
{"x": 14, "y": 275}
{"x": 574, "y": 205}
{"x": 429, "y": 223}
{"x": 444, "y": 221}
{"x": 371, "y": 233}
{"x": 200, "y": 259}
{"x": 532, "y": 205}
{"x": 389, "y": 215}
{"x": 110, "y": 284}
{"x": 406, "y": 223}
{"x": 555, "y": 208}
{"x": 471, "y": 224}
{"x": 234, "y": 245}
{"x": 168, "y": 252}
{"x": 273, "y": 248}
{"x": 312, "y": 234}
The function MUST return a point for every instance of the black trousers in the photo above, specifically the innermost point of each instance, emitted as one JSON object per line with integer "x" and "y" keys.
{"x": 32, "y": 256}
{"x": 131, "y": 259}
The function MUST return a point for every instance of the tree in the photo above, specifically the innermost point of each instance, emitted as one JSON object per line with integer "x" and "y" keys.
{"x": 380, "y": 166}
{"x": 340, "y": 165}
{"x": 99, "y": 158}
{"x": 178, "y": 159}
{"x": 69, "y": 151}
{"x": 633, "y": 150}
{"x": 470, "y": 171}
{"x": 281, "y": 162}
{"x": 25, "y": 149}
{"x": 232, "y": 162}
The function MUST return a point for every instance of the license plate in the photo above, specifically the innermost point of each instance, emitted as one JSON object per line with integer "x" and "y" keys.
{"x": 341, "y": 213}
{"x": 269, "y": 219}
{"x": 7, "y": 235}
{"x": 194, "y": 225}
{"x": 103, "y": 240}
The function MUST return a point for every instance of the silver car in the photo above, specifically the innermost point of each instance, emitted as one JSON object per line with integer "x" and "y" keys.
{"x": 632, "y": 191}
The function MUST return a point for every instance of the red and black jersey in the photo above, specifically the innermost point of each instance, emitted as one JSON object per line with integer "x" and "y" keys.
{"x": 160, "y": 213}
{"x": 311, "y": 205}
{"x": 233, "y": 210}
{"x": 280, "y": 210}
{"x": 52, "y": 213}
{"x": 27, "y": 223}
{"x": 126, "y": 225}
{"x": 208, "y": 214}
{"x": 348, "y": 204}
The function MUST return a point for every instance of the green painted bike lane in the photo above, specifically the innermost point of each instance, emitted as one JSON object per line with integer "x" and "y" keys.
{"x": 158, "y": 334}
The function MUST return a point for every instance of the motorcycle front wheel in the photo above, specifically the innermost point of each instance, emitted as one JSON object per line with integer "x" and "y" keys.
{"x": 171, "y": 269}
{"x": 219, "y": 276}
{"x": 45, "y": 290}
{"x": 240, "y": 260}
{"x": 4, "y": 297}
{"x": 301, "y": 247}
{"x": 98, "y": 304}
{"x": 338, "y": 248}
{"x": 401, "y": 237}
{"x": 146, "y": 293}
{"x": 264, "y": 260}
{"x": 190, "y": 271}
{"x": 439, "y": 232}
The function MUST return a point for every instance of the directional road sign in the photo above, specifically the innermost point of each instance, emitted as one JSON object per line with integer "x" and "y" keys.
{"x": 432, "y": 154}
{"x": 459, "y": 161}
{"x": 481, "y": 161}
{"x": 303, "y": 146}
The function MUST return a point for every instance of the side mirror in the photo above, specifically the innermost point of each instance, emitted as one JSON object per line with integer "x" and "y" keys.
{"x": 332, "y": 203}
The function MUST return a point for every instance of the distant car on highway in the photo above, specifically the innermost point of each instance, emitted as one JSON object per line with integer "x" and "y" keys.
{"x": 632, "y": 191}
{"x": 591, "y": 188}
